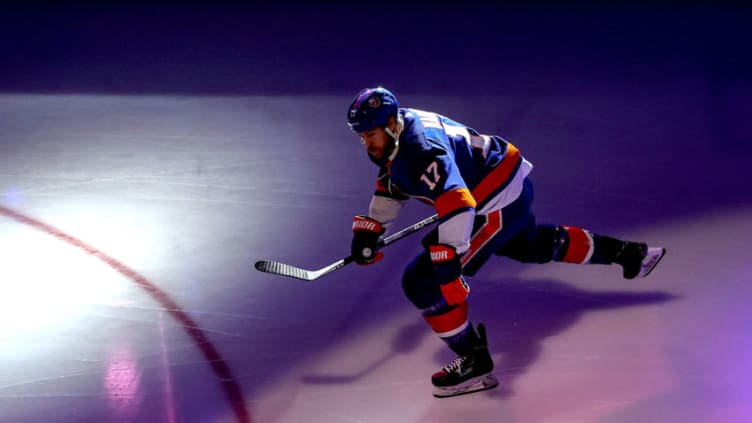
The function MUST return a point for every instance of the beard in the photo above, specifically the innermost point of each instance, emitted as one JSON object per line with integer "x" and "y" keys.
{"x": 385, "y": 157}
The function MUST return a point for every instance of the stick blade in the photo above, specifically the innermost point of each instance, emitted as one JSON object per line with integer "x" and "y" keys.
{"x": 277, "y": 268}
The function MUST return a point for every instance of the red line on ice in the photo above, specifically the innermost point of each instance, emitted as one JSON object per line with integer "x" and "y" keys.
{"x": 233, "y": 391}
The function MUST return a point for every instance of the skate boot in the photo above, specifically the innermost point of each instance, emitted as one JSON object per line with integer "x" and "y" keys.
{"x": 638, "y": 259}
{"x": 468, "y": 373}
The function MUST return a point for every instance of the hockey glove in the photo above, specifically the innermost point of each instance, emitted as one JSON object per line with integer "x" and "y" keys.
{"x": 449, "y": 273}
{"x": 364, "y": 246}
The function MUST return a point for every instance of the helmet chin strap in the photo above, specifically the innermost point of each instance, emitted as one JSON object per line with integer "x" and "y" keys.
{"x": 395, "y": 136}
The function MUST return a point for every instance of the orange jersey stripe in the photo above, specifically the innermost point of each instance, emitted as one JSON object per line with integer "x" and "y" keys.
{"x": 498, "y": 175}
{"x": 448, "y": 321}
{"x": 453, "y": 200}
{"x": 489, "y": 230}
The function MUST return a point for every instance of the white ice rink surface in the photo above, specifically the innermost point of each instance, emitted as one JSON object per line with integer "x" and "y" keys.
{"x": 129, "y": 226}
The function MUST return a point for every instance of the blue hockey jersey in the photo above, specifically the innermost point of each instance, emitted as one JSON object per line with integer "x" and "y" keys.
{"x": 452, "y": 167}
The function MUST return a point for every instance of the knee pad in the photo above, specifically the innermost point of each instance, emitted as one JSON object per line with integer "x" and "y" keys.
{"x": 551, "y": 242}
{"x": 541, "y": 245}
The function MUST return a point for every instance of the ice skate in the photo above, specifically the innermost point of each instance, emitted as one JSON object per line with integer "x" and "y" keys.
{"x": 638, "y": 260}
{"x": 468, "y": 373}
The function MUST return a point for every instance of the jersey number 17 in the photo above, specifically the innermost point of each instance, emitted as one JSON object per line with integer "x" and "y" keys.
{"x": 431, "y": 176}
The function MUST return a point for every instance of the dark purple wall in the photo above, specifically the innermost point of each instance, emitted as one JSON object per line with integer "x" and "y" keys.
{"x": 333, "y": 47}
{"x": 540, "y": 49}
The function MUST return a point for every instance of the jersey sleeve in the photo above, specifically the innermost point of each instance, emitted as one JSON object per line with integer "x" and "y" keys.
{"x": 385, "y": 203}
{"x": 385, "y": 209}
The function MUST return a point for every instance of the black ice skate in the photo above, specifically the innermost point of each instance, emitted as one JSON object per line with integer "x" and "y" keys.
{"x": 468, "y": 373}
{"x": 638, "y": 259}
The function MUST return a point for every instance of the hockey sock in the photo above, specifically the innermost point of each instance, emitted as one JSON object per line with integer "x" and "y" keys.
{"x": 451, "y": 325}
{"x": 574, "y": 245}
{"x": 462, "y": 343}
{"x": 582, "y": 247}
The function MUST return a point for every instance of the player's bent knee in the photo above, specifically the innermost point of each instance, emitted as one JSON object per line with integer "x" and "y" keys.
{"x": 419, "y": 284}
{"x": 541, "y": 247}
{"x": 548, "y": 243}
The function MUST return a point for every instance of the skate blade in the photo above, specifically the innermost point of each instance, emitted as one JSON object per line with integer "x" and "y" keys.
{"x": 480, "y": 383}
{"x": 651, "y": 260}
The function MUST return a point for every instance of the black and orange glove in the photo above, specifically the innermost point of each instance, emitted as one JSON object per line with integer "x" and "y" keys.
{"x": 448, "y": 269}
{"x": 364, "y": 247}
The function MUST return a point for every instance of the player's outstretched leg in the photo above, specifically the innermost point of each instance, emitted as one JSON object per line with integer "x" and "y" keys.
{"x": 467, "y": 373}
{"x": 570, "y": 244}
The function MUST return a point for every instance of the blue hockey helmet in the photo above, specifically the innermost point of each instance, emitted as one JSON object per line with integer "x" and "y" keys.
{"x": 372, "y": 107}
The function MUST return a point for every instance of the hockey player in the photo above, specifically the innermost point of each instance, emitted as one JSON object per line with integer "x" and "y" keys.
{"x": 480, "y": 189}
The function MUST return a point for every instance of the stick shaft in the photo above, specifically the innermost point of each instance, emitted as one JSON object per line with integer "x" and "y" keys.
{"x": 408, "y": 230}
{"x": 282, "y": 269}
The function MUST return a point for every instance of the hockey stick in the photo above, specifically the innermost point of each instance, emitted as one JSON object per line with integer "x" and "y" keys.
{"x": 277, "y": 268}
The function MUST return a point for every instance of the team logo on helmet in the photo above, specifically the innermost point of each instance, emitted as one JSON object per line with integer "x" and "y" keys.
{"x": 374, "y": 102}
